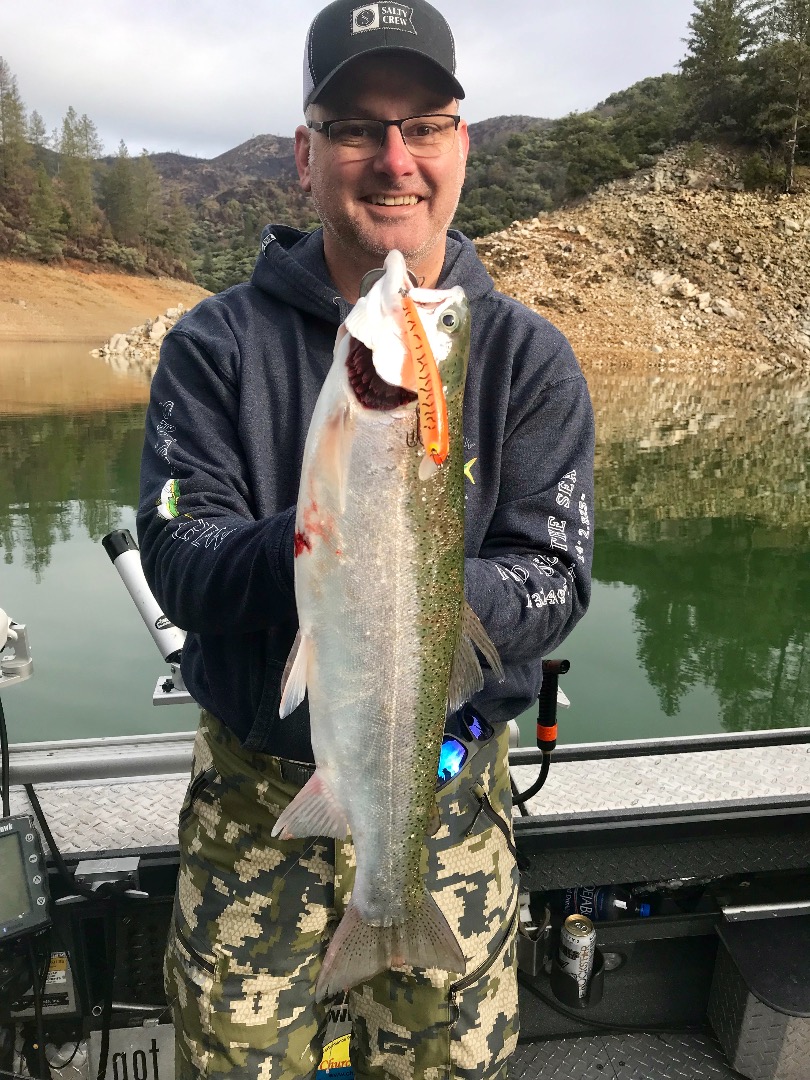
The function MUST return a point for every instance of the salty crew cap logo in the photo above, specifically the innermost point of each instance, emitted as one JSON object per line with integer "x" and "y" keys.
{"x": 375, "y": 16}
{"x": 366, "y": 18}
{"x": 345, "y": 30}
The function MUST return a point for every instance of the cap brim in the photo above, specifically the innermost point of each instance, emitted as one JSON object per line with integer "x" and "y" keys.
{"x": 453, "y": 85}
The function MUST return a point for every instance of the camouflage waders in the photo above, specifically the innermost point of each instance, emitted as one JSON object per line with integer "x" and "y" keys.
{"x": 253, "y": 916}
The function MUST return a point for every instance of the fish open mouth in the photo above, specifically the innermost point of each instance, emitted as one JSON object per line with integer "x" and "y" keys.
{"x": 371, "y": 391}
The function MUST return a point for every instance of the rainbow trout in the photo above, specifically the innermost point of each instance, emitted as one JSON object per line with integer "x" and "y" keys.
{"x": 385, "y": 645}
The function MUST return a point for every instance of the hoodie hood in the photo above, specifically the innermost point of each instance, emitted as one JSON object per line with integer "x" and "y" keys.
{"x": 291, "y": 268}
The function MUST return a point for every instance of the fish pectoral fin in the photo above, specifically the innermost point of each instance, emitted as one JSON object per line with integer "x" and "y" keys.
{"x": 313, "y": 812}
{"x": 358, "y": 951}
{"x": 472, "y": 627}
{"x": 294, "y": 679}
{"x": 466, "y": 678}
{"x": 335, "y": 455}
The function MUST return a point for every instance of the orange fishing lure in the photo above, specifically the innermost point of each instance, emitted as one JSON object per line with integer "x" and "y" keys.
{"x": 433, "y": 424}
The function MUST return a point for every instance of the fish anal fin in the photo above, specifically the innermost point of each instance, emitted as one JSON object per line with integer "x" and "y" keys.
{"x": 294, "y": 679}
{"x": 358, "y": 951}
{"x": 313, "y": 812}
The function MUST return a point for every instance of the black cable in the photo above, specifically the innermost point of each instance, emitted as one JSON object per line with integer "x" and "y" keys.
{"x": 602, "y": 1025}
{"x": 515, "y": 798}
{"x": 39, "y": 1021}
{"x": 109, "y": 988}
{"x": 529, "y": 793}
{"x": 63, "y": 1064}
{"x": 61, "y": 944}
{"x": 112, "y": 893}
{"x": 4, "y": 763}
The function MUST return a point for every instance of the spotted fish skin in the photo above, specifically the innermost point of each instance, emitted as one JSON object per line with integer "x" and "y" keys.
{"x": 384, "y": 641}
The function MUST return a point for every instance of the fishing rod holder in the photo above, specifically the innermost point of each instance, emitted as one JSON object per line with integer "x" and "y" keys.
{"x": 16, "y": 664}
{"x": 550, "y": 697}
{"x": 169, "y": 639}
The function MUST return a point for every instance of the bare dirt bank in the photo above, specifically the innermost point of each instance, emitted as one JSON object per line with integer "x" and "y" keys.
{"x": 73, "y": 303}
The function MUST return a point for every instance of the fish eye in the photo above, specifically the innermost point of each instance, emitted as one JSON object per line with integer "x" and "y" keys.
{"x": 450, "y": 319}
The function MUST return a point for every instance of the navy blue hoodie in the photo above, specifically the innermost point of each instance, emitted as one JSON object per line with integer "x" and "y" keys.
{"x": 230, "y": 406}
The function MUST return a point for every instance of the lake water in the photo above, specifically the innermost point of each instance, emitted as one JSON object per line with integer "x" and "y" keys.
{"x": 700, "y": 618}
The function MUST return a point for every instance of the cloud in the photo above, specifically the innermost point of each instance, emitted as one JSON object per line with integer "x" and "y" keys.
{"x": 201, "y": 77}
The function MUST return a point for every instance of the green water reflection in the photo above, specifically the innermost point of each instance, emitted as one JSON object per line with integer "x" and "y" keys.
{"x": 700, "y": 620}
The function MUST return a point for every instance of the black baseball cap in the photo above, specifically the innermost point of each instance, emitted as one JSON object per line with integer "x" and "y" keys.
{"x": 347, "y": 29}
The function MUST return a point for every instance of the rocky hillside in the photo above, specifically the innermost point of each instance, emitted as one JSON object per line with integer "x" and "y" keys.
{"x": 678, "y": 266}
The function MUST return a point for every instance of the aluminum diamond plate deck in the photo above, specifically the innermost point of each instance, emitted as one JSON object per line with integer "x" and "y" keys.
{"x": 637, "y": 1057}
{"x": 117, "y": 815}
{"x": 672, "y": 780}
{"x": 114, "y": 811}
{"x": 622, "y": 1057}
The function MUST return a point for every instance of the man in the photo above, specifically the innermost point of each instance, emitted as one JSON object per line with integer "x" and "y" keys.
{"x": 231, "y": 404}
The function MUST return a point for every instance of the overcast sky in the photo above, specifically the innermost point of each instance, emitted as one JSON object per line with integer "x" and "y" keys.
{"x": 202, "y": 76}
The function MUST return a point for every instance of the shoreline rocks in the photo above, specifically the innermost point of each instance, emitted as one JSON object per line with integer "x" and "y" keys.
{"x": 139, "y": 349}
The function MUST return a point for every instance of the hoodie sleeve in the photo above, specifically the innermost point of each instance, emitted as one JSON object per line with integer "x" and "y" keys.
{"x": 213, "y": 565}
{"x": 532, "y": 580}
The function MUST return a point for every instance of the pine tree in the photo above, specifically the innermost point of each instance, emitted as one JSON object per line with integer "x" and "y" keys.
{"x": 148, "y": 192}
{"x": 46, "y": 228}
{"x": 37, "y": 132}
{"x": 785, "y": 28}
{"x": 722, "y": 33}
{"x": 76, "y": 174}
{"x": 118, "y": 197}
{"x": 16, "y": 176}
{"x": 90, "y": 145}
{"x": 178, "y": 227}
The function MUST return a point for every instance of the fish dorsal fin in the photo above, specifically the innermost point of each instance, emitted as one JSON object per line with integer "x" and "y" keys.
{"x": 466, "y": 678}
{"x": 294, "y": 679}
{"x": 313, "y": 812}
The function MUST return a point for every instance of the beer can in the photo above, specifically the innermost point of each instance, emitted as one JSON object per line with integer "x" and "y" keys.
{"x": 577, "y": 944}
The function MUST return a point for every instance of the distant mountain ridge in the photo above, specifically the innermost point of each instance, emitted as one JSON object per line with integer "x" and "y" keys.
{"x": 272, "y": 157}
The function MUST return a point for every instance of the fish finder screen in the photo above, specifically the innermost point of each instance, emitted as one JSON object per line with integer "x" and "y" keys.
{"x": 14, "y": 902}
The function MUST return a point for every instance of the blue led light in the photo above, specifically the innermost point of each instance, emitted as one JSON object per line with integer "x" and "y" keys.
{"x": 452, "y": 757}
{"x": 474, "y": 724}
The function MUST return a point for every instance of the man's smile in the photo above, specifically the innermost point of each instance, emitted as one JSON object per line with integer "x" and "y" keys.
{"x": 393, "y": 200}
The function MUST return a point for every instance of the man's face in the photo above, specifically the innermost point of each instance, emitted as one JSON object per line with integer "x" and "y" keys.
{"x": 350, "y": 196}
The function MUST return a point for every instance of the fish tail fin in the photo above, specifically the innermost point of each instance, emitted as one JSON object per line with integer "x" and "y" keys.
{"x": 358, "y": 951}
{"x": 313, "y": 812}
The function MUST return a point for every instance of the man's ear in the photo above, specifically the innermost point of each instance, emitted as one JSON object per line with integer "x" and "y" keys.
{"x": 302, "y": 137}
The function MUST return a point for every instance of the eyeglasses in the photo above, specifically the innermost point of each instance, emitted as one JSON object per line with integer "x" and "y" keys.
{"x": 468, "y": 732}
{"x": 357, "y": 139}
